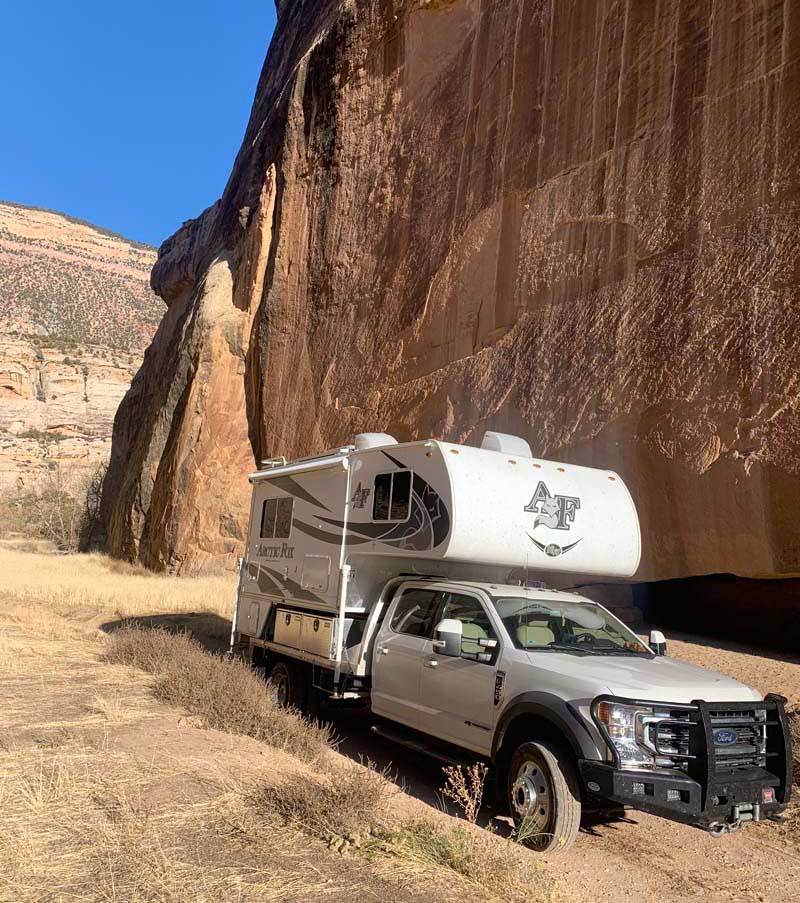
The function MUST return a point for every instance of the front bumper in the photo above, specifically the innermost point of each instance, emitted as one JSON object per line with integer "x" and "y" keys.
{"x": 708, "y": 786}
{"x": 679, "y": 798}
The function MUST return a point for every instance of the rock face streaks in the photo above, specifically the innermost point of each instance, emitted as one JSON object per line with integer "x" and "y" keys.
{"x": 573, "y": 220}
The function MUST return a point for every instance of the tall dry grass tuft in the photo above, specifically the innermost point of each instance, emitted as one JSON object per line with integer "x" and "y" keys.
{"x": 226, "y": 694}
{"x": 345, "y": 806}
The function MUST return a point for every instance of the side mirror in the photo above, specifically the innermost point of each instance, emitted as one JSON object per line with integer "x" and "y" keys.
{"x": 658, "y": 642}
{"x": 447, "y": 637}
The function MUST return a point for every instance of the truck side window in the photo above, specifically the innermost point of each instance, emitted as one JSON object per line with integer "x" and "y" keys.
{"x": 414, "y": 613}
{"x": 475, "y": 625}
{"x": 276, "y": 518}
{"x": 391, "y": 500}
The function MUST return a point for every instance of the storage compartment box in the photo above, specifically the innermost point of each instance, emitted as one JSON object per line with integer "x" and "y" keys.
{"x": 317, "y": 634}
{"x": 288, "y": 628}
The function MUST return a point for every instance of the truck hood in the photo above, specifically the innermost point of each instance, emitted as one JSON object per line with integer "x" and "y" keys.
{"x": 660, "y": 679}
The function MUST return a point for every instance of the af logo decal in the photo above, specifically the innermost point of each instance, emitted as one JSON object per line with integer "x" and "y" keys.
{"x": 360, "y": 496}
{"x": 554, "y": 511}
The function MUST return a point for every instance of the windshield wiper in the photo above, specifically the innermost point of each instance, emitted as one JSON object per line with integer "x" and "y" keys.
{"x": 557, "y": 647}
{"x": 619, "y": 650}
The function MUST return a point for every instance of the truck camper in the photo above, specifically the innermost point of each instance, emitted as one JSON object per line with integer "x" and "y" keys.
{"x": 402, "y": 575}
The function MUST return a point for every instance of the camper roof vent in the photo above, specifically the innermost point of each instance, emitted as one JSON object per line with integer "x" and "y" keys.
{"x": 507, "y": 444}
{"x": 373, "y": 440}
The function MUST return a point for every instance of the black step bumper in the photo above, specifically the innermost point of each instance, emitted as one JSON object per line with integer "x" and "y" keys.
{"x": 678, "y": 797}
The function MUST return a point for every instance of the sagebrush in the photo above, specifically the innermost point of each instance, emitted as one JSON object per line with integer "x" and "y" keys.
{"x": 225, "y": 693}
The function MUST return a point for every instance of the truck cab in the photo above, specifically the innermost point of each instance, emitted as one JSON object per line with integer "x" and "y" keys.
{"x": 572, "y": 707}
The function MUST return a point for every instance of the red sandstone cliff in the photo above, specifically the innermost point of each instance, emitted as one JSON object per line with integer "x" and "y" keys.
{"x": 574, "y": 220}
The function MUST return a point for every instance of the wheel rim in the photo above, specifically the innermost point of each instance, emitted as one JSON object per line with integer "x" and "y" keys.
{"x": 532, "y": 797}
{"x": 280, "y": 688}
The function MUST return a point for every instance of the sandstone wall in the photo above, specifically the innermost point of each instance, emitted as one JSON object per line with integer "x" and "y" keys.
{"x": 573, "y": 220}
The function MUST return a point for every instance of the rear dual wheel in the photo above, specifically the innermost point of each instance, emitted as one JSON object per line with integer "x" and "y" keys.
{"x": 292, "y": 688}
{"x": 288, "y": 685}
{"x": 543, "y": 797}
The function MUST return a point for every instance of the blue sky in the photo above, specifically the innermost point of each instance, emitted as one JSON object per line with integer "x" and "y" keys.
{"x": 127, "y": 115}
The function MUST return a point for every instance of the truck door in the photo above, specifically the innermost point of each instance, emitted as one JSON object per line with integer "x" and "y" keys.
{"x": 457, "y": 694}
{"x": 400, "y": 645}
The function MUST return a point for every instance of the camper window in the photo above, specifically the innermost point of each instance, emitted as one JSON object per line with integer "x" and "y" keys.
{"x": 391, "y": 500}
{"x": 276, "y": 518}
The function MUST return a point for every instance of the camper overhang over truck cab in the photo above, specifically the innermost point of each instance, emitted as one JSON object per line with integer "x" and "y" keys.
{"x": 402, "y": 574}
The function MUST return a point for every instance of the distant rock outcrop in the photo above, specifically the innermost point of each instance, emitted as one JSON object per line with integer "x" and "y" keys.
{"x": 575, "y": 221}
{"x": 76, "y": 313}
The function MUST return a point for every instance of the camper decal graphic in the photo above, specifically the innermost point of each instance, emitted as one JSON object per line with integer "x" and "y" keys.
{"x": 360, "y": 496}
{"x": 427, "y": 527}
{"x": 554, "y": 511}
{"x": 272, "y": 582}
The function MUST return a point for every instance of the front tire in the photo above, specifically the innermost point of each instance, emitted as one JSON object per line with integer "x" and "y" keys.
{"x": 288, "y": 686}
{"x": 543, "y": 797}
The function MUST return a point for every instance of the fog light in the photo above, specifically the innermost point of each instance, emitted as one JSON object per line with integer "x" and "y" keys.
{"x": 769, "y": 795}
{"x": 638, "y": 788}
{"x": 673, "y": 796}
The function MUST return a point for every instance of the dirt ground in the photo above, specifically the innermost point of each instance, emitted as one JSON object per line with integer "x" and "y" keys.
{"x": 80, "y": 737}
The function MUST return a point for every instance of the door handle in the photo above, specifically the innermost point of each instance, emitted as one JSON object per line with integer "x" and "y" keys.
{"x": 431, "y": 663}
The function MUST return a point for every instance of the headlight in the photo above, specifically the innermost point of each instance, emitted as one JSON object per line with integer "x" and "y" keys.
{"x": 623, "y": 727}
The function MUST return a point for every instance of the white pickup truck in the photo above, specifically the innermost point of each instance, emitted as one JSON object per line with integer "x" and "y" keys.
{"x": 400, "y": 574}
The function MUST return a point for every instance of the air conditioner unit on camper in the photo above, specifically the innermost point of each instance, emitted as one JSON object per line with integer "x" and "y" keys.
{"x": 506, "y": 443}
{"x": 373, "y": 440}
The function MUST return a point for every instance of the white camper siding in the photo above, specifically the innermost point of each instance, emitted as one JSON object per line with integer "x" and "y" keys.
{"x": 541, "y": 515}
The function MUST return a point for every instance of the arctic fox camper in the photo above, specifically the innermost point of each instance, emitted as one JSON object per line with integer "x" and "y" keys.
{"x": 401, "y": 574}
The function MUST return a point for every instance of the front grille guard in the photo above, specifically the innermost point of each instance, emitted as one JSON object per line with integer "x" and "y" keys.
{"x": 703, "y": 761}
{"x": 712, "y": 767}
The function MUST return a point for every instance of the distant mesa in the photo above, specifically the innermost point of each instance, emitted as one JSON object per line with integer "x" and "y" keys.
{"x": 76, "y": 313}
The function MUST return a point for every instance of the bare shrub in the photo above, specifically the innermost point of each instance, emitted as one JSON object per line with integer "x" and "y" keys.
{"x": 226, "y": 694}
{"x": 53, "y": 509}
{"x": 346, "y": 807}
{"x": 794, "y": 724}
{"x": 62, "y": 508}
{"x": 92, "y": 531}
{"x": 464, "y": 786}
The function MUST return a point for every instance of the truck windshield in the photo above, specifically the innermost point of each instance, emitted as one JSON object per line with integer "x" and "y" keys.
{"x": 566, "y": 626}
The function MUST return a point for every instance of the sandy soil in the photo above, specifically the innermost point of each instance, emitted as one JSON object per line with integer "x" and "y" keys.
{"x": 63, "y": 708}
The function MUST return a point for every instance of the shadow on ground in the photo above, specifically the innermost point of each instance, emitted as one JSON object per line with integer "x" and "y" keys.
{"x": 210, "y": 630}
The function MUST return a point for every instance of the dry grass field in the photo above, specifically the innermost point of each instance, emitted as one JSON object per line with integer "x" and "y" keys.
{"x": 138, "y": 767}
{"x": 135, "y": 767}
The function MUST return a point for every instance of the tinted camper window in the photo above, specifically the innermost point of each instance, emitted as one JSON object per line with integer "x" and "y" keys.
{"x": 392, "y": 497}
{"x": 276, "y": 518}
